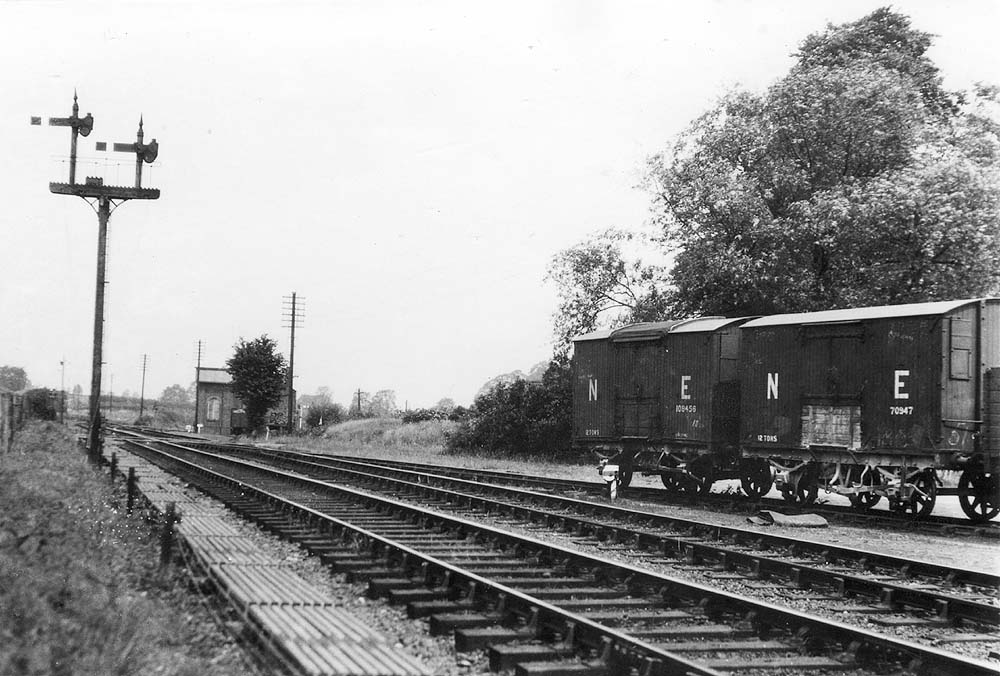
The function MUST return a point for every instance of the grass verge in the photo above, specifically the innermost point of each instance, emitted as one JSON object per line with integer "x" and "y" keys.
{"x": 391, "y": 439}
{"x": 81, "y": 591}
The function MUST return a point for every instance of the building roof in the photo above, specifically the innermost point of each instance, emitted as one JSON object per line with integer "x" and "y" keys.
{"x": 214, "y": 375}
{"x": 862, "y": 313}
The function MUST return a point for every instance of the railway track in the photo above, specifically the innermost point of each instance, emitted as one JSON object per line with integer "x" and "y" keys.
{"x": 728, "y": 501}
{"x": 495, "y": 587}
{"x": 849, "y": 574}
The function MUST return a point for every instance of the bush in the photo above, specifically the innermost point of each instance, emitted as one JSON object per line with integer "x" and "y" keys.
{"x": 325, "y": 415}
{"x": 520, "y": 418}
{"x": 41, "y": 404}
{"x": 423, "y": 415}
{"x": 454, "y": 413}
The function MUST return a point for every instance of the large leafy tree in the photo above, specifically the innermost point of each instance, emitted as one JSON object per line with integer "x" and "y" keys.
{"x": 855, "y": 179}
{"x": 258, "y": 372}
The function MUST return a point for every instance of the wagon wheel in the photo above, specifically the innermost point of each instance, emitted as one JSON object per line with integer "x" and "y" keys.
{"x": 672, "y": 482}
{"x": 979, "y": 495}
{"x": 924, "y": 495}
{"x": 756, "y": 480}
{"x": 805, "y": 489}
{"x": 701, "y": 467}
{"x": 865, "y": 501}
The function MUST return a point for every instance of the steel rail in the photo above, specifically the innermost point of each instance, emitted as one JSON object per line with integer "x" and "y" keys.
{"x": 796, "y": 545}
{"x": 876, "y": 517}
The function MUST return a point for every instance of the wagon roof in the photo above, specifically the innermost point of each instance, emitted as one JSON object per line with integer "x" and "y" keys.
{"x": 706, "y": 324}
{"x": 594, "y": 335}
{"x": 861, "y": 314}
{"x": 643, "y": 331}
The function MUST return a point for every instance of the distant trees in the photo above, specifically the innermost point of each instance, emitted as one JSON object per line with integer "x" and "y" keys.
{"x": 383, "y": 404}
{"x": 258, "y": 373}
{"x": 380, "y": 405}
{"x": 175, "y": 395}
{"x": 14, "y": 378}
{"x": 360, "y": 405}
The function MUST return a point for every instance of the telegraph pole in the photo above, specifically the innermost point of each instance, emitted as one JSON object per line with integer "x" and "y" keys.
{"x": 197, "y": 379}
{"x": 142, "y": 390}
{"x": 294, "y": 313}
{"x": 102, "y": 198}
{"x": 62, "y": 390}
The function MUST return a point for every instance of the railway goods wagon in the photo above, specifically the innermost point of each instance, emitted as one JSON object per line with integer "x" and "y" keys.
{"x": 661, "y": 398}
{"x": 873, "y": 402}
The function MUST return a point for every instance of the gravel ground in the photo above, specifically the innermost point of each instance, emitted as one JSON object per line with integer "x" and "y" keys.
{"x": 926, "y": 635}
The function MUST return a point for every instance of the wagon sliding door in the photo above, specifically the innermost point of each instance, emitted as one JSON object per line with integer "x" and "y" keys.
{"x": 831, "y": 397}
{"x": 637, "y": 400}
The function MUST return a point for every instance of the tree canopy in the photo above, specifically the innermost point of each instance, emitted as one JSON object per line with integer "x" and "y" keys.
{"x": 175, "y": 395}
{"x": 14, "y": 378}
{"x": 258, "y": 372}
{"x": 603, "y": 279}
{"x": 855, "y": 179}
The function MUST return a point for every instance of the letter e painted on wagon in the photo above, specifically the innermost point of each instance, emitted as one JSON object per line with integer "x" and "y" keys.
{"x": 772, "y": 385}
{"x": 684, "y": 387}
{"x": 592, "y": 391}
{"x": 899, "y": 384}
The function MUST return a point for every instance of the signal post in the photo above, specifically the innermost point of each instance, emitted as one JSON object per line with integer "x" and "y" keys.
{"x": 103, "y": 199}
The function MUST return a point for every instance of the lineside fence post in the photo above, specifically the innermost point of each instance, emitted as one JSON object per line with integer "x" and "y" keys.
{"x": 130, "y": 490}
{"x": 167, "y": 534}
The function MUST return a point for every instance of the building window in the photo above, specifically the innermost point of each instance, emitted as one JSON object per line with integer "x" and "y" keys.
{"x": 214, "y": 409}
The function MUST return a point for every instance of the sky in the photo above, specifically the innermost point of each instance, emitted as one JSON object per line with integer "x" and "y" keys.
{"x": 407, "y": 168}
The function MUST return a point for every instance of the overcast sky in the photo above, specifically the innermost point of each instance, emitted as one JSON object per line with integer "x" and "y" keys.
{"x": 409, "y": 168}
